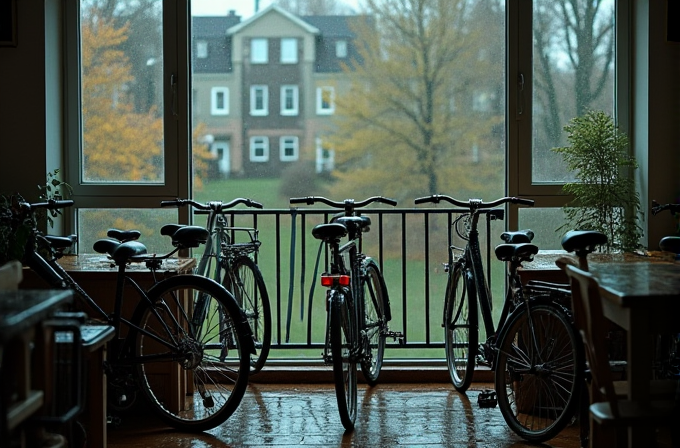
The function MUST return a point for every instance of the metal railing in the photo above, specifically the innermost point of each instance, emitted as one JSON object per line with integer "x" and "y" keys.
{"x": 410, "y": 246}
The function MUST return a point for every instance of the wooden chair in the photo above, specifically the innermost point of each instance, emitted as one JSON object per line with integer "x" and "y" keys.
{"x": 611, "y": 412}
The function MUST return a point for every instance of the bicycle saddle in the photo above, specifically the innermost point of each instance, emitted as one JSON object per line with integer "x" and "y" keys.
{"x": 123, "y": 235}
{"x": 360, "y": 221}
{"x": 583, "y": 241}
{"x": 330, "y": 231}
{"x": 510, "y": 252}
{"x": 519, "y": 236}
{"x": 119, "y": 252}
{"x": 185, "y": 236}
{"x": 670, "y": 244}
{"x": 61, "y": 242}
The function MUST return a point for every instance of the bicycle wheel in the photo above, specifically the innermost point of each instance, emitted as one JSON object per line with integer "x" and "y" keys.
{"x": 343, "y": 343}
{"x": 460, "y": 329}
{"x": 246, "y": 283}
{"x": 375, "y": 323}
{"x": 192, "y": 352}
{"x": 539, "y": 372}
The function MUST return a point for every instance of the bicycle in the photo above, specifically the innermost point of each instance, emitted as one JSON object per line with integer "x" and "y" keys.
{"x": 357, "y": 302}
{"x": 234, "y": 268}
{"x": 185, "y": 325}
{"x": 534, "y": 350}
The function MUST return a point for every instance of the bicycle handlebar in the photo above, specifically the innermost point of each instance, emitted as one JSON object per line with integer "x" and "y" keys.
{"x": 309, "y": 200}
{"x": 658, "y": 208}
{"x": 474, "y": 203}
{"x": 50, "y": 204}
{"x": 217, "y": 206}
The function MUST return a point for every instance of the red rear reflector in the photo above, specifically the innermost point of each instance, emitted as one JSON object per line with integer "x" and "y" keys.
{"x": 331, "y": 280}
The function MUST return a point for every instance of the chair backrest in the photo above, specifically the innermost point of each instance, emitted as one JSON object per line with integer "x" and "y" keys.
{"x": 590, "y": 321}
{"x": 11, "y": 274}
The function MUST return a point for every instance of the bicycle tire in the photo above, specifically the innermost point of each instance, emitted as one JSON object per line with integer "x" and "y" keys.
{"x": 460, "y": 328}
{"x": 538, "y": 398}
{"x": 211, "y": 356}
{"x": 343, "y": 343}
{"x": 247, "y": 284}
{"x": 375, "y": 323}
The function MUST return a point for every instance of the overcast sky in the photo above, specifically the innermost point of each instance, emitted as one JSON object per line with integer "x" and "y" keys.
{"x": 244, "y": 8}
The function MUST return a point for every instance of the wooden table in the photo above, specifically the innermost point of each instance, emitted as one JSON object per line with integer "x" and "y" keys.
{"x": 642, "y": 296}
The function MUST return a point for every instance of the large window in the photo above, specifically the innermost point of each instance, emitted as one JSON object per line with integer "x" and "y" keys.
{"x": 259, "y": 100}
{"x": 259, "y": 51}
{"x": 289, "y": 51}
{"x": 289, "y": 100}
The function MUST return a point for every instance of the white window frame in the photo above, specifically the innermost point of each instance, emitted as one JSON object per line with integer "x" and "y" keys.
{"x": 341, "y": 49}
{"x": 296, "y": 100}
{"x": 214, "y": 95}
{"x": 320, "y": 109}
{"x": 201, "y": 49}
{"x": 289, "y": 50}
{"x": 254, "y": 146}
{"x": 295, "y": 144}
{"x": 259, "y": 112}
{"x": 259, "y": 50}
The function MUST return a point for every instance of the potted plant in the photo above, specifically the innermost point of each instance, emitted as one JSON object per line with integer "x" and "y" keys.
{"x": 605, "y": 198}
{"x": 16, "y": 226}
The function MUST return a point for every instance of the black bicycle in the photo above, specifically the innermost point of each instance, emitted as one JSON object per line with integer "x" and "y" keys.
{"x": 357, "y": 302}
{"x": 187, "y": 345}
{"x": 534, "y": 351}
{"x": 233, "y": 265}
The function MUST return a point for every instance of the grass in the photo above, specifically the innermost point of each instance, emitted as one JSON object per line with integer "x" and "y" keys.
{"x": 291, "y": 287}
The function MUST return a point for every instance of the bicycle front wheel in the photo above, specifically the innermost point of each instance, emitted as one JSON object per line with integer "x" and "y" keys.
{"x": 460, "y": 329}
{"x": 192, "y": 352}
{"x": 343, "y": 348}
{"x": 375, "y": 323}
{"x": 539, "y": 372}
{"x": 248, "y": 287}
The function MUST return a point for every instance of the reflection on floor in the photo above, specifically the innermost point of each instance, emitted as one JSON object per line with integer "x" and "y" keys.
{"x": 401, "y": 415}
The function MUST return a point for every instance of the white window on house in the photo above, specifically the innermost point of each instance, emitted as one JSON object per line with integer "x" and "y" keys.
{"x": 340, "y": 48}
{"x": 219, "y": 101}
{"x": 259, "y": 149}
{"x": 288, "y": 148}
{"x": 325, "y": 157}
{"x": 259, "y": 51}
{"x": 259, "y": 100}
{"x": 289, "y": 50}
{"x": 289, "y": 100}
{"x": 220, "y": 149}
{"x": 325, "y": 100}
{"x": 201, "y": 49}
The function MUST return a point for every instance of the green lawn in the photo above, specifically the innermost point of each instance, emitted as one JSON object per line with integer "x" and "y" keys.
{"x": 405, "y": 282}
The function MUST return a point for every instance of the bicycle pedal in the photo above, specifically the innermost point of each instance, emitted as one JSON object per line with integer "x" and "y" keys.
{"x": 487, "y": 399}
{"x": 395, "y": 335}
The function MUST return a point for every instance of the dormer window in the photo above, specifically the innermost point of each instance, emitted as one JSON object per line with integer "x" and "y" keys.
{"x": 201, "y": 49}
{"x": 341, "y": 48}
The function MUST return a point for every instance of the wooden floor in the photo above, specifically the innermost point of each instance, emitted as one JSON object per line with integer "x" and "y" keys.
{"x": 390, "y": 415}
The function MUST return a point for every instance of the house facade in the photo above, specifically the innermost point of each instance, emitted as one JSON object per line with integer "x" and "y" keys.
{"x": 265, "y": 88}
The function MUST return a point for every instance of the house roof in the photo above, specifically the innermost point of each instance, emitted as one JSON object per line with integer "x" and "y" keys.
{"x": 270, "y": 10}
{"x": 331, "y": 26}
{"x": 213, "y": 26}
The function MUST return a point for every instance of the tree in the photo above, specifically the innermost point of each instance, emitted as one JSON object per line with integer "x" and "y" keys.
{"x": 118, "y": 143}
{"x": 424, "y": 112}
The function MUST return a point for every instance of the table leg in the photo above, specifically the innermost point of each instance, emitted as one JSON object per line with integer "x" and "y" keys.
{"x": 640, "y": 357}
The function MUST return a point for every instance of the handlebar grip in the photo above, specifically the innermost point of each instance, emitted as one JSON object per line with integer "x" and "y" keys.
{"x": 388, "y": 201}
{"x": 306, "y": 200}
{"x": 173, "y": 203}
{"x": 426, "y": 199}
{"x": 254, "y": 204}
{"x": 63, "y": 203}
{"x": 523, "y": 201}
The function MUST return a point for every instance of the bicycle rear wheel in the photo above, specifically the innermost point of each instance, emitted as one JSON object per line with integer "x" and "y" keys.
{"x": 246, "y": 283}
{"x": 375, "y": 322}
{"x": 343, "y": 343}
{"x": 460, "y": 329}
{"x": 192, "y": 352}
{"x": 539, "y": 372}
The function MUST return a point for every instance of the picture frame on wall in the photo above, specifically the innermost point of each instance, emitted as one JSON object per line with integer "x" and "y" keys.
{"x": 8, "y": 23}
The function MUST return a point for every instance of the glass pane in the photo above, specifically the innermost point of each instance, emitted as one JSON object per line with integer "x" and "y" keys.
{"x": 408, "y": 103}
{"x": 94, "y": 223}
{"x": 121, "y": 88}
{"x": 545, "y": 223}
{"x": 573, "y": 71}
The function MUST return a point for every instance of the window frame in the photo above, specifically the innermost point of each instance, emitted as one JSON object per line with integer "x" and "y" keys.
{"x": 265, "y": 149}
{"x": 320, "y": 110}
{"x": 214, "y": 92}
{"x": 295, "y": 110}
{"x": 286, "y": 58}
{"x": 295, "y": 140}
{"x": 254, "y": 111}
{"x": 259, "y": 46}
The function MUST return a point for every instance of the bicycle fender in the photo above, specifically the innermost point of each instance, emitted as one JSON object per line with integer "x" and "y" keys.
{"x": 209, "y": 284}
